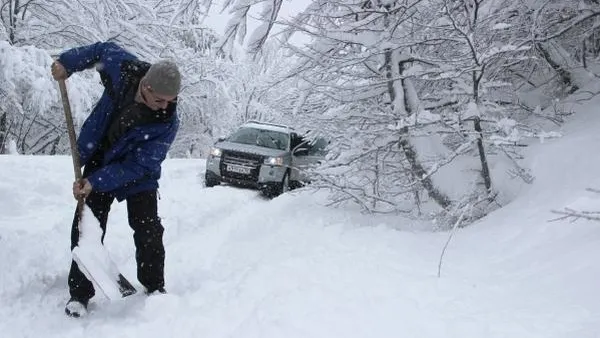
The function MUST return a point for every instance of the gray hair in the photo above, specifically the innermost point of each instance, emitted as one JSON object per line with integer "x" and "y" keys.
{"x": 164, "y": 78}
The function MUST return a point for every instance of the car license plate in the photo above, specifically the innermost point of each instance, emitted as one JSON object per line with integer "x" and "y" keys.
{"x": 238, "y": 169}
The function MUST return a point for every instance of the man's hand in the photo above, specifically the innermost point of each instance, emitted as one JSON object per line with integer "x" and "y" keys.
{"x": 58, "y": 71}
{"x": 81, "y": 189}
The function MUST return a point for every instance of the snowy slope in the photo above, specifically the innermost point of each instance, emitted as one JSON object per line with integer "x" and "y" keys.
{"x": 242, "y": 266}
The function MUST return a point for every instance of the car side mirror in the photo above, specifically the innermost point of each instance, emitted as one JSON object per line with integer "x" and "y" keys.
{"x": 221, "y": 139}
{"x": 301, "y": 152}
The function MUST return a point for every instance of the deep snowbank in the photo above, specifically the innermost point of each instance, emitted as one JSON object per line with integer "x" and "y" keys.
{"x": 241, "y": 266}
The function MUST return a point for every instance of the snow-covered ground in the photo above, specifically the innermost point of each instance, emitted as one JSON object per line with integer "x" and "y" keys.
{"x": 239, "y": 265}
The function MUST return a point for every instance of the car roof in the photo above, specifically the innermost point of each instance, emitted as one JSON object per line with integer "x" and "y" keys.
{"x": 268, "y": 126}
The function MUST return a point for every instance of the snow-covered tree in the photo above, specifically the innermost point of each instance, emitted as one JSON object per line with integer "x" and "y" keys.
{"x": 31, "y": 114}
{"x": 356, "y": 77}
{"x": 404, "y": 88}
{"x": 565, "y": 35}
{"x": 476, "y": 47}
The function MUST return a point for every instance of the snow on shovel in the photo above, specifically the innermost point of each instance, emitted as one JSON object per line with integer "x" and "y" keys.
{"x": 91, "y": 256}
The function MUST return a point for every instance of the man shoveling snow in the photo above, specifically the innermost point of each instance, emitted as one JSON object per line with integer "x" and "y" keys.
{"x": 122, "y": 145}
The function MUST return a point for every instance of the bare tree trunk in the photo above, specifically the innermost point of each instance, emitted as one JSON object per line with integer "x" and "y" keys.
{"x": 420, "y": 172}
{"x": 485, "y": 169}
{"x": 54, "y": 149}
{"x": 12, "y": 20}
{"x": 3, "y": 132}
{"x": 389, "y": 76}
{"x": 410, "y": 153}
{"x": 583, "y": 54}
{"x": 564, "y": 75}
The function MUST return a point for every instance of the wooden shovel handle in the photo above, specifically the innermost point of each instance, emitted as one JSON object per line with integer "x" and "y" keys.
{"x": 72, "y": 139}
{"x": 70, "y": 128}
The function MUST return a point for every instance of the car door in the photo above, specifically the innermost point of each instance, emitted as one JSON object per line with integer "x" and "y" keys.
{"x": 307, "y": 155}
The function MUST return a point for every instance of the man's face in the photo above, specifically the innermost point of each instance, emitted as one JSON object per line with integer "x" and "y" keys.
{"x": 154, "y": 100}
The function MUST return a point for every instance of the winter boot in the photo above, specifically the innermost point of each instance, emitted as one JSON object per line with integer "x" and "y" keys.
{"x": 155, "y": 292}
{"x": 76, "y": 308}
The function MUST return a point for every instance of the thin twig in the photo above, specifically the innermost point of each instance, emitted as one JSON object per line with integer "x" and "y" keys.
{"x": 456, "y": 225}
{"x": 576, "y": 215}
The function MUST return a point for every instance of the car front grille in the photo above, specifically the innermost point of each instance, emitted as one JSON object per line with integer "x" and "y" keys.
{"x": 240, "y": 161}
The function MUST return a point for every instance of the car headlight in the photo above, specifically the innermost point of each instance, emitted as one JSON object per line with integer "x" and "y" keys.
{"x": 274, "y": 160}
{"x": 216, "y": 152}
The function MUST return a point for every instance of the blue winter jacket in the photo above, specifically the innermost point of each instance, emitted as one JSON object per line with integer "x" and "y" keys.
{"x": 133, "y": 163}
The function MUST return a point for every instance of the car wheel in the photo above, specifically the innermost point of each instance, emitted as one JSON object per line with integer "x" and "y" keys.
{"x": 296, "y": 185}
{"x": 285, "y": 183}
{"x": 210, "y": 182}
{"x": 276, "y": 190}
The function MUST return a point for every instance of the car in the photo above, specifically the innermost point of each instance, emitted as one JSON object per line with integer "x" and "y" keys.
{"x": 266, "y": 156}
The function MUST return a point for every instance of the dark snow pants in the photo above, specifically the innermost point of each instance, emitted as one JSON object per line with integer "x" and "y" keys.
{"x": 148, "y": 233}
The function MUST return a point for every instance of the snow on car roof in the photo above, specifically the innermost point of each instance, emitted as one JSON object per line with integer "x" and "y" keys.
{"x": 268, "y": 126}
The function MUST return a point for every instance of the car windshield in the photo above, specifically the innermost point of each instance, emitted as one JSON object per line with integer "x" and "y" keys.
{"x": 260, "y": 137}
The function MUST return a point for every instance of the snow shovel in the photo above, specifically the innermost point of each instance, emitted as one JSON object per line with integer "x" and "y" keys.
{"x": 92, "y": 258}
